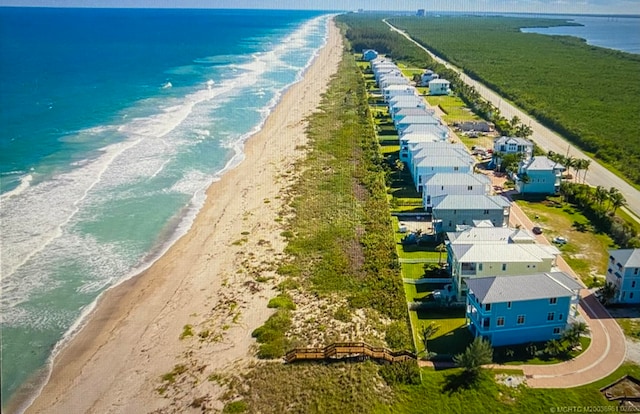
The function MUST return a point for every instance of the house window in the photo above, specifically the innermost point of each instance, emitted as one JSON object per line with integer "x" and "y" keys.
{"x": 553, "y": 301}
{"x": 504, "y": 267}
{"x": 486, "y": 212}
{"x": 551, "y": 316}
{"x": 419, "y": 179}
{"x": 480, "y": 267}
{"x": 487, "y": 307}
{"x": 500, "y": 321}
{"x": 633, "y": 284}
{"x": 486, "y": 322}
{"x": 470, "y": 188}
{"x": 630, "y": 295}
{"x": 442, "y": 187}
{"x": 455, "y": 168}
{"x": 635, "y": 271}
{"x": 560, "y": 316}
{"x": 455, "y": 211}
{"x": 428, "y": 199}
{"x": 520, "y": 320}
{"x": 556, "y": 331}
{"x": 508, "y": 305}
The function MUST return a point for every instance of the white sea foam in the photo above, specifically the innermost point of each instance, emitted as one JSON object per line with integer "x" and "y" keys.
{"x": 25, "y": 181}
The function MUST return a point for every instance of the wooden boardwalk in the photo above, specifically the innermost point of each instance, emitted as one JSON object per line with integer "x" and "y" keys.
{"x": 348, "y": 350}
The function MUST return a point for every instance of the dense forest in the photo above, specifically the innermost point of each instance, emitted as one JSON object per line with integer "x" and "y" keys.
{"x": 588, "y": 94}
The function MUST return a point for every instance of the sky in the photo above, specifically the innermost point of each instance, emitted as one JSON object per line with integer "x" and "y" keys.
{"x": 529, "y": 6}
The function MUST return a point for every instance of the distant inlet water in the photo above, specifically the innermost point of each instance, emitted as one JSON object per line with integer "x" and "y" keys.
{"x": 611, "y": 32}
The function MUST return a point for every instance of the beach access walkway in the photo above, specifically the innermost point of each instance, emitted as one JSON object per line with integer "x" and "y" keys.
{"x": 543, "y": 136}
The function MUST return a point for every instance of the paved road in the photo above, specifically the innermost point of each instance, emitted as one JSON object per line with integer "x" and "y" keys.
{"x": 544, "y": 137}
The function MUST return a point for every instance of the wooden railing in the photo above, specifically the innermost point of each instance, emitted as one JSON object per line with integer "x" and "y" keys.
{"x": 348, "y": 350}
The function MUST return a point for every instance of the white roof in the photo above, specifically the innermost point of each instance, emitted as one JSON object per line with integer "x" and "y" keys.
{"x": 457, "y": 179}
{"x": 627, "y": 257}
{"x": 415, "y": 138}
{"x": 497, "y": 289}
{"x": 489, "y": 235}
{"x": 446, "y": 160}
{"x": 501, "y": 253}
{"x": 419, "y": 119}
{"x": 414, "y": 111}
{"x": 541, "y": 163}
{"x": 440, "y": 81}
{"x": 512, "y": 140}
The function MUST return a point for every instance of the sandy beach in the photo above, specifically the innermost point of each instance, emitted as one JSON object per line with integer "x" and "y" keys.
{"x": 192, "y": 312}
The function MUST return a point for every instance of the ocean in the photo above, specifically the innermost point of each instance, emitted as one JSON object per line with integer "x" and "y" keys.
{"x": 114, "y": 122}
{"x": 612, "y": 32}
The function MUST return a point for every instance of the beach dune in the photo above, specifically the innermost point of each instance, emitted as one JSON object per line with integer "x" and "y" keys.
{"x": 152, "y": 342}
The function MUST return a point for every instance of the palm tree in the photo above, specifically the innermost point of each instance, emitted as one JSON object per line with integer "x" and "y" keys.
{"x": 585, "y": 166}
{"x": 607, "y": 293}
{"x": 426, "y": 333}
{"x": 553, "y": 348}
{"x": 569, "y": 163}
{"x": 524, "y": 179}
{"x": 441, "y": 248}
{"x": 477, "y": 354}
{"x": 616, "y": 200}
{"x": 600, "y": 195}
{"x": 572, "y": 334}
{"x": 400, "y": 167}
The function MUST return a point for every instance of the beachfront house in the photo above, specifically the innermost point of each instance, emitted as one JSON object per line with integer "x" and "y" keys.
{"x": 393, "y": 91}
{"x": 473, "y": 260}
{"x": 405, "y": 102}
{"x": 440, "y": 131}
{"x": 416, "y": 150}
{"x": 411, "y": 143}
{"x": 539, "y": 175}
{"x": 624, "y": 273}
{"x": 427, "y": 77}
{"x": 369, "y": 55}
{"x": 392, "y": 79}
{"x": 521, "y": 309}
{"x": 453, "y": 184}
{"x": 451, "y": 211}
{"x": 404, "y": 112}
{"x": 484, "y": 232}
{"x": 424, "y": 163}
{"x": 405, "y": 122}
{"x": 439, "y": 87}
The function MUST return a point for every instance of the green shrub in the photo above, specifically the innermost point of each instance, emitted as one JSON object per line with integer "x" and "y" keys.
{"x": 235, "y": 407}
{"x": 282, "y": 301}
{"x": 406, "y": 372}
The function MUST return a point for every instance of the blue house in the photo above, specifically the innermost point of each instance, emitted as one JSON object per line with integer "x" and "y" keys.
{"x": 509, "y": 310}
{"x": 624, "y": 273}
{"x": 539, "y": 175}
{"x": 369, "y": 55}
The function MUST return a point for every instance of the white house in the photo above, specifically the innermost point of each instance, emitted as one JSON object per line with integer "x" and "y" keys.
{"x": 416, "y": 150}
{"x": 439, "y": 87}
{"x": 392, "y": 78}
{"x": 484, "y": 232}
{"x": 393, "y": 91}
{"x": 453, "y": 184}
{"x": 427, "y": 77}
{"x": 369, "y": 55}
{"x": 444, "y": 162}
{"x": 409, "y": 143}
{"x": 539, "y": 175}
{"x": 398, "y": 103}
{"x": 409, "y": 120}
{"x": 513, "y": 145}
{"x": 624, "y": 273}
{"x": 412, "y": 112}
{"x": 438, "y": 130}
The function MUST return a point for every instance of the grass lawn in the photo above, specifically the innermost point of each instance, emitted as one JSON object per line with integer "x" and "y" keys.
{"x": 453, "y": 107}
{"x": 628, "y": 319}
{"x": 413, "y": 270}
{"x": 452, "y": 337}
{"x": 416, "y": 293}
{"x": 586, "y": 251}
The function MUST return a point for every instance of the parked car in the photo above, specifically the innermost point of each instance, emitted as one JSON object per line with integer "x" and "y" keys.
{"x": 536, "y": 230}
{"x": 559, "y": 240}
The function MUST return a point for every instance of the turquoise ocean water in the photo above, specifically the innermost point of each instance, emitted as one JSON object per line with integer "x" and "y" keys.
{"x": 114, "y": 122}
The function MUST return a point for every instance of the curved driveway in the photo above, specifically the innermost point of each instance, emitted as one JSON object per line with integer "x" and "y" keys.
{"x": 544, "y": 137}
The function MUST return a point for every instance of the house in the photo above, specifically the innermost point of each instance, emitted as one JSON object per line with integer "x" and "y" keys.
{"x": 439, "y": 130}
{"x": 418, "y": 150}
{"x": 428, "y": 160}
{"x": 403, "y": 112}
{"x": 484, "y": 232}
{"x": 411, "y": 142}
{"x": 405, "y": 122}
{"x": 539, "y": 175}
{"x": 392, "y": 78}
{"x": 398, "y": 103}
{"x": 624, "y": 273}
{"x": 521, "y": 309}
{"x": 453, "y": 184}
{"x": 439, "y": 87}
{"x": 479, "y": 126}
{"x": 450, "y": 211}
{"x": 503, "y": 259}
{"x": 513, "y": 145}
{"x": 392, "y": 91}
{"x": 427, "y": 77}
{"x": 369, "y": 55}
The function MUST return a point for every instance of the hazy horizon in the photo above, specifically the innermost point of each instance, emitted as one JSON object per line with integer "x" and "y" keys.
{"x": 616, "y": 7}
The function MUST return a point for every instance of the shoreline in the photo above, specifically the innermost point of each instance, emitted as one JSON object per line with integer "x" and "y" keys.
{"x": 132, "y": 337}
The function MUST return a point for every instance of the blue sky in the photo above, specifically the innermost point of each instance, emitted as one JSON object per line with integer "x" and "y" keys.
{"x": 535, "y": 6}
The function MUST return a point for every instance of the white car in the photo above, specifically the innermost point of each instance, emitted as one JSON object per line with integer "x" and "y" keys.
{"x": 559, "y": 240}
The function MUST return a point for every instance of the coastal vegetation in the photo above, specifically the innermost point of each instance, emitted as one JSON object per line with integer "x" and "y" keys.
{"x": 588, "y": 94}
